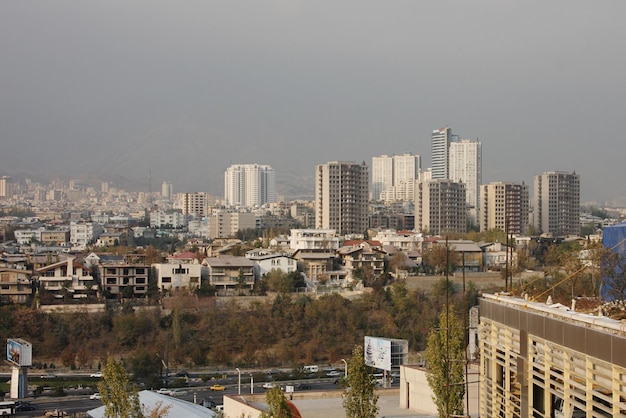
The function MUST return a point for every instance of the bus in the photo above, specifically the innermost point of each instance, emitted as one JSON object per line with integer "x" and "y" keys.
{"x": 7, "y": 408}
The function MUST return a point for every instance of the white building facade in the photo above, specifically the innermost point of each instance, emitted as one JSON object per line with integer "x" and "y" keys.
{"x": 439, "y": 152}
{"x": 249, "y": 185}
{"x": 466, "y": 167}
{"x": 392, "y": 173}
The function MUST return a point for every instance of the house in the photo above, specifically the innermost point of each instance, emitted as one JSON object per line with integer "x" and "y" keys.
{"x": 228, "y": 273}
{"x": 314, "y": 239}
{"x": 315, "y": 264}
{"x": 16, "y": 285}
{"x": 121, "y": 279}
{"x": 68, "y": 278}
{"x": 402, "y": 240}
{"x": 181, "y": 272}
{"x": 495, "y": 256}
{"x": 363, "y": 255}
{"x": 266, "y": 261}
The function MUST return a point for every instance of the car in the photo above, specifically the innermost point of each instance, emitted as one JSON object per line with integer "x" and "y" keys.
{"x": 95, "y": 396}
{"x": 269, "y": 385}
{"x": 303, "y": 386}
{"x": 333, "y": 373}
{"x": 182, "y": 374}
{"x": 56, "y": 413}
{"x": 180, "y": 392}
{"x": 164, "y": 391}
{"x": 217, "y": 386}
{"x": 96, "y": 375}
{"x": 24, "y": 407}
{"x": 48, "y": 376}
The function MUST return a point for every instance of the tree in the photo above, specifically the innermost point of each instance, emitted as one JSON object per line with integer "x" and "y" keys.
{"x": 119, "y": 398}
{"x": 437, "y": 256}
{"x": 277, "y": 404}
{"x": 360, "y": 399}
{"x": 445, "y": 360}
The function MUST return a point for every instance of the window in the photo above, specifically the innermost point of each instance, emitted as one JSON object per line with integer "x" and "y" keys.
{"x": 166, "y": 280}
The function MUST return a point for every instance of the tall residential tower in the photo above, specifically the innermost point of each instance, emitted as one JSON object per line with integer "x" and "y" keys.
{"x": 504, "y": 206}
{"x": 439, "y": 153}
{"x": 249, "y": 185}
{"x": 556, "y": 203}
{"x": 465, "y": 166}
{"x": 394, "y": 172}
{"x": 341, "y": 197}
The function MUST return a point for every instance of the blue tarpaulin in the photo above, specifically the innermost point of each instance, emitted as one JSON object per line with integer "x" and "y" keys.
{"x": 614, "y": 238}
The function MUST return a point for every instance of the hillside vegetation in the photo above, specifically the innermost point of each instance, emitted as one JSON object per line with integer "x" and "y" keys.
{"x": 290, "y": 330}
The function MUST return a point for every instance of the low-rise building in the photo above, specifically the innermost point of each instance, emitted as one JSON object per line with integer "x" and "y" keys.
{"x": 229, "y": 273}
{"x": 121, "y": 279}
{"x": 540, "y": 360}
{"x": 16, "y": 285}
{"x": 266, "y": 261}
{"x": 180, "y": 272}
{"x": 69, "y": 278}
{"x": 362, "y": 255}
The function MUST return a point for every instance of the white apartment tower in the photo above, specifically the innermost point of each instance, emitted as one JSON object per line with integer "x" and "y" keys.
{"x": 341, "y": 197}
{"x": 440, "y": 207}
{"x": 249, "y": 185}
{"x": 6, "y": 189}
{"x": 556, "y": 203}
{"x": 393, "y": 172}
{"x": 167, "y": 191}
{"x": 504, "y": 206}
{"x": 465, "y": 166}
{"x": 439, "y": 152}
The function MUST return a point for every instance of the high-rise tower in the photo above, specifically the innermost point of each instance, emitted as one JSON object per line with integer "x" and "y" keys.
{"x": 504, "y": 206}
{"x": 393, "y": 172}
{"x": 439, "y": 152}
{"x": 341, "y": 197}
{"x": 465, "y": 165}
{"x": 249, "y": 185}
{"x": 556, "y": 203}
{"x": 440, "y": 207}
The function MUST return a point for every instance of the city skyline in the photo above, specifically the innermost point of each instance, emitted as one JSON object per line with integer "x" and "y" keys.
{"x": 183, "y": 91}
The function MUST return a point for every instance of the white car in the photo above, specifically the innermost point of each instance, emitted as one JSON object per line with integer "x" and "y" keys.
{"x": 334, "y": 373}
{"x": 165, "y": 391}
{"x": 179, "y": 392}
{"x": 95, "y": 396}
{"x": 96, "y": 375}
{"x": 269, "y": 385}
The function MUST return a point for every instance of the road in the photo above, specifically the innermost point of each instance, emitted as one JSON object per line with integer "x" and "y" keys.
{"x": 80, "y": 402}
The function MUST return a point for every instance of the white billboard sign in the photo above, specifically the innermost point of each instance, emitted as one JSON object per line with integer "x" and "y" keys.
{"x": 378, "y": 352}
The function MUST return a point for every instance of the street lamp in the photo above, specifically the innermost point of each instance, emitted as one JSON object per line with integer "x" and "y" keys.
{"x": 238, "y": 380}
{"x": 345, "y": 370}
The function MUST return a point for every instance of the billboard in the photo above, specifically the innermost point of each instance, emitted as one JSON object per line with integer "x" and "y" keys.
{"x": 19, "y": 352}
{"x": 378, "y": 352}
{"x": 385, "y": 353}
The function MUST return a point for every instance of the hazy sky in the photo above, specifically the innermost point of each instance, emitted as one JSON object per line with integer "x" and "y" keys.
{"x": 182, "y": 89}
